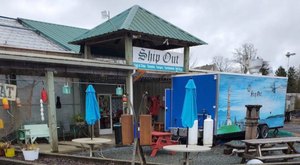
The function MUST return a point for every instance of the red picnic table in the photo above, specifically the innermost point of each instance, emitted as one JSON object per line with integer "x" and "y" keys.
{"x": 161, "y": 139}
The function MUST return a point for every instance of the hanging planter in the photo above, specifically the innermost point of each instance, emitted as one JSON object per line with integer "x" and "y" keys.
{"x": 5, "y": 103}
{"x": 44, "y": 95}
{"x": 66, "y": 89}
{"x": 119, "y": 91}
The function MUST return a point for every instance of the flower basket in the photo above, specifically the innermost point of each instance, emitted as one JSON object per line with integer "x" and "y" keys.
{"x": 31, "y": 154}
{"x": 9, "y": 152}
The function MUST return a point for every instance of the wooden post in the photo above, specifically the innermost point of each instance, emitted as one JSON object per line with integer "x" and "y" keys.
{"x": 186, "y": 52}
{"x": 127, "y": 129}
{"x": 128, "y": 50}
{"x": 145, "y": 130}
{"x": 87, "y": 52}
{"x": 52, "y": 112}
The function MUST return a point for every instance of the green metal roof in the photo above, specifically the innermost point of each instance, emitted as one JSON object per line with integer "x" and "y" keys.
{"x": 60, "y": 34}
{"x": 140, "y": 20}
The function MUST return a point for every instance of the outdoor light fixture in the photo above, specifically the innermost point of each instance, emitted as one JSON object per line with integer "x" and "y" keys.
{"x": 166, "y": 42}
{"x": 136, "y": 36}
{"x": 288, "y": 55}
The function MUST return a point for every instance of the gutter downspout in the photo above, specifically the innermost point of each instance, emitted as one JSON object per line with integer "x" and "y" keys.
{"x": 131, "y": 91}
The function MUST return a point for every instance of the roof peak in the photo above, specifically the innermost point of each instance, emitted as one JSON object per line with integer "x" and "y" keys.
{"x": 139, "y": 20}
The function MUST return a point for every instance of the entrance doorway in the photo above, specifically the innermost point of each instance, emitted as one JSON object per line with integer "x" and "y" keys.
{"x": 105, "y": 107}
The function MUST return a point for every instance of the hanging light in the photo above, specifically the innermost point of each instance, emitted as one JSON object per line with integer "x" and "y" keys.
{"x": 119, "y": 91}
{"x": 66, "y": 89}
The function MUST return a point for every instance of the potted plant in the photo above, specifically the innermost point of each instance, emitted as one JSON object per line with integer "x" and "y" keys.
{"x": 30, "y": 152}
{"x": 7, "y": 149}
{"x": 2, "y": 146}
{"x": 78, "y": 119}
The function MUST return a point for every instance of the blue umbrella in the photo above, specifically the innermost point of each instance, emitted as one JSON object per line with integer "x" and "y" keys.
{"x": 189, "y": 110}
{"x": 92, "y": 114}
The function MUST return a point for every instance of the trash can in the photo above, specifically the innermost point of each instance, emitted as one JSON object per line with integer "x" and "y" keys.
{"x": 118, "y": 134}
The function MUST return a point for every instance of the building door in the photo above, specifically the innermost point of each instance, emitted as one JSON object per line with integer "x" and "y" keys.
{"x": 105, "y": 107}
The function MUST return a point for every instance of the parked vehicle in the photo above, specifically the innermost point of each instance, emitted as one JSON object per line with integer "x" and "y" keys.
{"x": 290, "y": 105}
{"x": 223, "y": 96}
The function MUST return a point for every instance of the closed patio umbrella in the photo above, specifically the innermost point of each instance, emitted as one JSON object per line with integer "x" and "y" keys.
{"x": 92, "y": 114}
{"x": 189, "y": 110}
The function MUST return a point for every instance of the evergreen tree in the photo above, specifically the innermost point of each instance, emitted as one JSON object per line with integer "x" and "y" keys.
{"x": 292, "y": 83}
{"x": 298, "y": 79}
{"x": 280, "y": 72}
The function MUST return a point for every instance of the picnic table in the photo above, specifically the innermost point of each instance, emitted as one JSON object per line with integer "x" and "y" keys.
{"x": 253, "y": 148}
{"x": 161, "y": 139}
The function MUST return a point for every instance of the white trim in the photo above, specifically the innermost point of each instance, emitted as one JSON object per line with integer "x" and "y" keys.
{"x": 108, "y": 130}
{"x": 226, "y": 73}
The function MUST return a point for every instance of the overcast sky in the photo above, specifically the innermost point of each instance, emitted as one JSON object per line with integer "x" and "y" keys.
{"x": 272, "y": 26}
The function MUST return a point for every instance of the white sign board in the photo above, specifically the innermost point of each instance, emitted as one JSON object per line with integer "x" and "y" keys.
{"x": 9, "y": 91}
{"x": 151, "y": 59}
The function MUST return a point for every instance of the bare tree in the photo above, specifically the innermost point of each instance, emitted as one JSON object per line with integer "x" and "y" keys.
{"x": 243, "y": 54}
{"x": 223, "y": 64}
{"x": 193, "y": 60}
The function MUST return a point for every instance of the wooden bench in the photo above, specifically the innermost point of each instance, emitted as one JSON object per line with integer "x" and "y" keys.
{"x": 35, "y": 131}
{"x": 241, "y": 151}
{"x": 258, "y": 143}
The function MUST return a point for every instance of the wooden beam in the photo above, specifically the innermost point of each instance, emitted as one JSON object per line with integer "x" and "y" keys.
{"x": 87, "y": 52}
{"x": 128, "y": 50}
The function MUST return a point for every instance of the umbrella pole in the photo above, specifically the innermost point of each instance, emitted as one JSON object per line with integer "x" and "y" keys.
{"x": 187, "y": 139}
{"x": 92, "y": 132}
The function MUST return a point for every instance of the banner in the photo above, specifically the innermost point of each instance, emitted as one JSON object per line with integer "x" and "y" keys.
{"x": 9, "y": 91}
{"x": 151, "y": 59}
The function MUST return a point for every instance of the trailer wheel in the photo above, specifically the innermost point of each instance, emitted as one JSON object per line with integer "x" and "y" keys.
{"x": 257, "y": 132}
{"x": 264, "y": 131}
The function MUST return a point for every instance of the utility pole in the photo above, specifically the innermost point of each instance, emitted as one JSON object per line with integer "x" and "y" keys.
{"x": 288, "y": 55}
